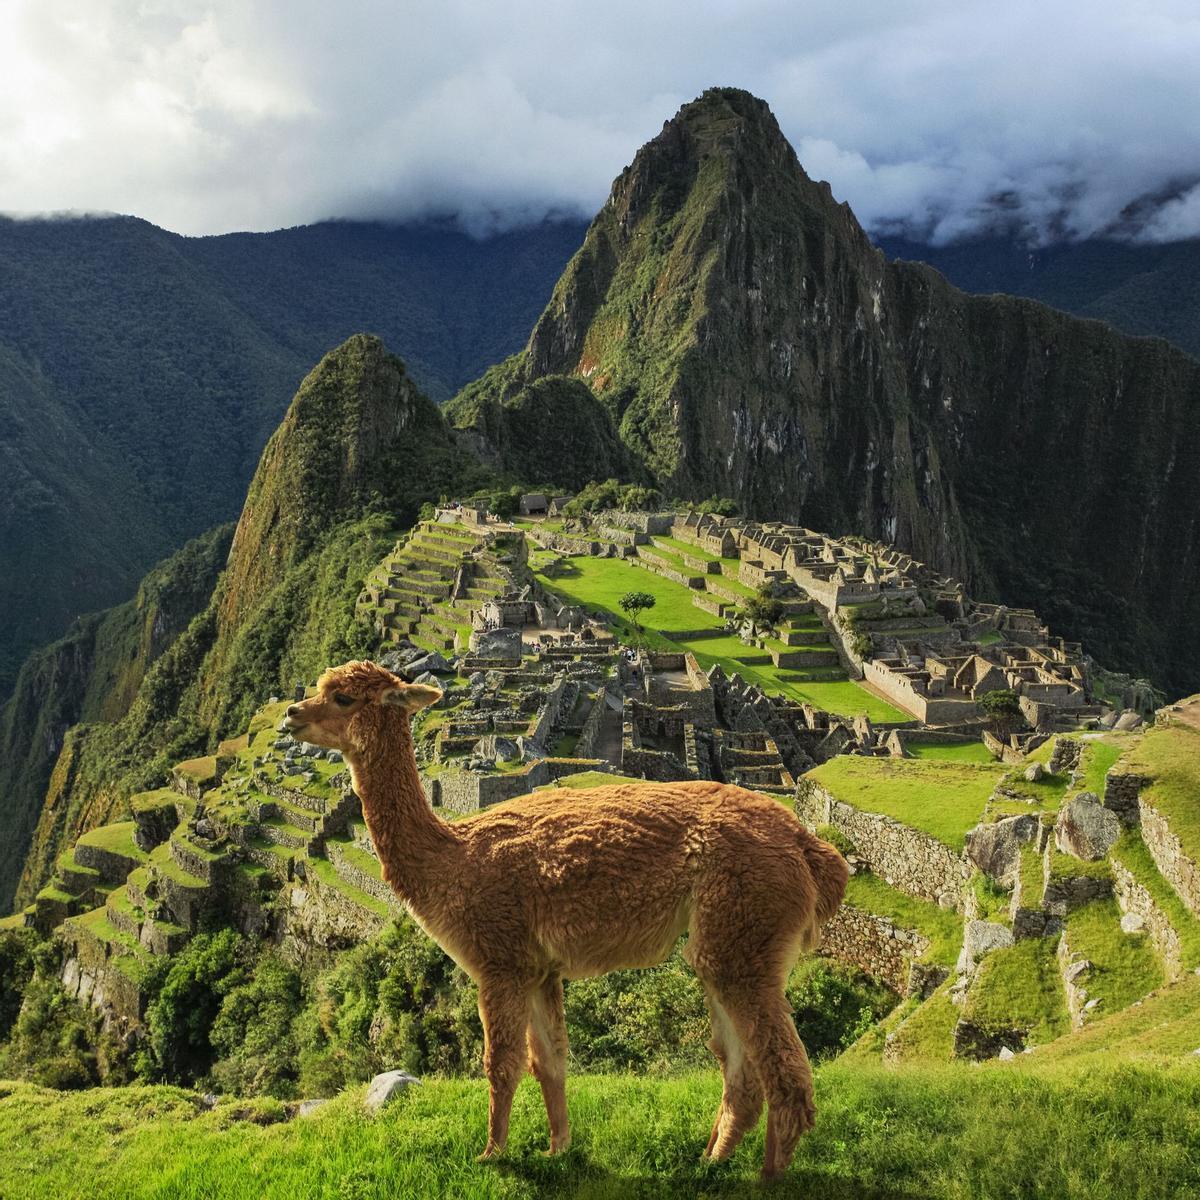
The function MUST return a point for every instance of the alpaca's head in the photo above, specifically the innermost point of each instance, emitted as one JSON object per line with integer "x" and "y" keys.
{"x": 355, "y": 705}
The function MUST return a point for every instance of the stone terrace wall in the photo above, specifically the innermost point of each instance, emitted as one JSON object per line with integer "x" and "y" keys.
{"x": 1180, "y": 871}
{"x": 470, "y": 791}
{"x": 908, "y": 859}
{"x": 1134, "y": 898}
{"x": 873, "y": 943}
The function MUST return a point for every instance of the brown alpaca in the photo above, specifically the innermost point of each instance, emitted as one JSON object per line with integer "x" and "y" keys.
{"x": 567, "y": 884}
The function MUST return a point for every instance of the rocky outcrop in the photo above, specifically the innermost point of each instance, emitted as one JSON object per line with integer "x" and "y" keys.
{"x": 1085, "y": 828}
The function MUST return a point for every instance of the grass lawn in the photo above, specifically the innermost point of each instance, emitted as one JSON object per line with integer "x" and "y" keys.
{"x": 599, "y": 583}
{"x": 679, "y": 546}
{"x": 1019, "y": 987}
{"x": 927, "y": 1034}
{"x": 1124, "y": 965}
{"x": 927, "y": 1131}
{"x": 117, "y": 838}
{"x": 1170, "y": 756}
{"x": 970, "y": 752}
{"x": 944, "y": 799}
{"x": 942, "y": 928}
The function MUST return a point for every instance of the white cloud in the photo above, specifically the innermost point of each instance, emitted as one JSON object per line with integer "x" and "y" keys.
{"x": 936, "y": 116}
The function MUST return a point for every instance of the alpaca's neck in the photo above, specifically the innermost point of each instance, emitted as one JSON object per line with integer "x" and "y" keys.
{"x": 415, "y": 847}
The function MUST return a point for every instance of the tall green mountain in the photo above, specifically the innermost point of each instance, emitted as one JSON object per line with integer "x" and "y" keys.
{"x": 359, "y": 450}
{"x": 736, "y": 324}
{"x": 1140, "y": 288}
{"x": 141, "y": 374}
{"x": 91, "y": 675}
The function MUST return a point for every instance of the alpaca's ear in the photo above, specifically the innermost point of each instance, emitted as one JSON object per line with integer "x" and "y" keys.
{"x": 412, "y": 697}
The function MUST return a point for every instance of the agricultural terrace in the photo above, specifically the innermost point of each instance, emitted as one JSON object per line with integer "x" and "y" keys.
{"x": 675, "y": 623}
{"x": 942, "y": 799}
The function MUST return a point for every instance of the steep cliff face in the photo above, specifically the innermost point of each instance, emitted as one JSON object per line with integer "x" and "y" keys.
{"x": 748, "y": 340}
{"x": 549, "y": 431}
{"x": 358, "y": 452}
{"x": 92, "y": 674}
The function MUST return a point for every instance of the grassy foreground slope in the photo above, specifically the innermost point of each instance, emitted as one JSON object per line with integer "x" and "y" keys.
{"x": 950, "y": 1131}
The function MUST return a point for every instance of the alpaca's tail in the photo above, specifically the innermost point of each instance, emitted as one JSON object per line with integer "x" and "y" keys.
{"x": 829, "y": 871}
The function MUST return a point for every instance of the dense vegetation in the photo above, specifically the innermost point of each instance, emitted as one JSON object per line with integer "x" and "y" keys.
{"x": 141, "y": 374}
{"x": 231, "y": 1013}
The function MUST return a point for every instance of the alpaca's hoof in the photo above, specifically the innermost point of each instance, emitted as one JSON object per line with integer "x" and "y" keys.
{"x": 490, "y": 1154}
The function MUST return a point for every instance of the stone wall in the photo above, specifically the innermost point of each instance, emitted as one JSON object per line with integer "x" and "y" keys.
{"x": 1134, "y": 898}
{"x": 908, "y": 859}
{"x": 1180, "y": 871}
{"x": 658, "y": 566}
{"x": 874, "y": 944}
{"x": 644, "y": 522}
{"x": 1121, "y": 791}
{"x": 585, "y": 746}
{"x": 470, "y": 791}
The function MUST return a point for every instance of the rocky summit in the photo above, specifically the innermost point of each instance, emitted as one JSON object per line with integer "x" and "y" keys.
{"x": 747, "y": 340}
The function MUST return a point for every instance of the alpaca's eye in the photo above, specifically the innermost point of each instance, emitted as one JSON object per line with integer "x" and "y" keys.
{"x": 342, "y": 699}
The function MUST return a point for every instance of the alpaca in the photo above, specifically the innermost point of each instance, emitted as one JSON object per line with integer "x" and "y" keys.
{"x": 561, "y": 885}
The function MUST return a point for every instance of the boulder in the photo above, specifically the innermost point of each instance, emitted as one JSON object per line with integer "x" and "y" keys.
{"x": 980, "y": 938}
{"x": 995, "y": 846}
{"x": 1085, "y": 828}
{"x": 1133, "y": 922}
{"x": 427, "y": 677}
{"x": 433, "y": 661}
{"x": 498, "y": 748}
{"x": 502, "y": 644}
{"x": 1128, "y": 720}
{"x": 307, "y": 1107}
{"x": 1034, "y": 773}
{"x": 384, "y": 1088}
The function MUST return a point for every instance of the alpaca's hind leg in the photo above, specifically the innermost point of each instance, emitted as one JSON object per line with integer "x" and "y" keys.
{"x": 548, "y": 1057}
{"x": 763, "y": 1018}
{"x": 504, "y": 1010}
{"x": 742, "y": 1096}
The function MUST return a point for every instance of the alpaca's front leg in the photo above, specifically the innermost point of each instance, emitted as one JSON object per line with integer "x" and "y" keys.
{"x": 504, "y": 1010}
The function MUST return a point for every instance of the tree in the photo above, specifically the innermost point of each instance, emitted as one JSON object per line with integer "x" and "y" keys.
{"x": 1003, "y": 706}
{"x": 633, "y": 603}
{"x": 763, "y": 608}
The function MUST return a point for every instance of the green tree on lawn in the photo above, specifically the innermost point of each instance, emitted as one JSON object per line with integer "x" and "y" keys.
{"x": 633, "y": 603}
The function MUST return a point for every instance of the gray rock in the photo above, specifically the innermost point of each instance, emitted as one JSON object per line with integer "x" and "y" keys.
{"x": 1076, "y": 969}
{"x": 1034, "y": 772}
{"x": 980, "y": 938}
{"x": 307, "y": 1107}
{"x": 497, "y": 747}
{"x": 501, "y": 644}
{"x": 432, "y": 661}
{"x": 1085, "y": 828}
{"x": 384, "y": 1088}
{"x": 1128, "y": 720}
{"x": 427, "y": 677}
{"x": 1133, "y": 922}
{"x": 1005, "y": 1054}
{"x": 333, "y": 756}
{"x": 995, "y": 846}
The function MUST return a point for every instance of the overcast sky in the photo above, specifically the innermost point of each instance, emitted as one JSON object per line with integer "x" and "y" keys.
{"x": 926, "y": 114}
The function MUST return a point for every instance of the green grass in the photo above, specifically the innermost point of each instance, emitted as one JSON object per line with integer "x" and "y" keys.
{"x": 1170, "y": 756}
{"x": 599, "y": 583}
{"x": 992, "y": 901}
{"x": 929, "y": 1132}
{"x": 1098, "y": 756}
{"x": 927, "y": 1034}
{"x": 588, "y": 779}
{"x": 326, "y": 872}
{"x": 942, "y": 928}
{"x": 1131, "y": 852}
{"x": 682, "y": 547}
{"x": 1124, "y": 966}
{"x": 1019, "y": 987}
{"x": 943, "y": 799}
{"x": 972, "y": 752}
{"x": 117, "y": 839}
{"x": 1032, "y": 876}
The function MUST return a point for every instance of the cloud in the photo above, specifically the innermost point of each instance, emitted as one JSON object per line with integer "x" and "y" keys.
{"x": 1055, "y": 120}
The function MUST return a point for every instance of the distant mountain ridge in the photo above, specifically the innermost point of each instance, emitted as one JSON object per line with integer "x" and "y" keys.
{"x": 1150, "y": 290}
{"x": 142, "y": 372}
